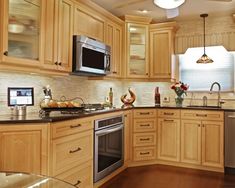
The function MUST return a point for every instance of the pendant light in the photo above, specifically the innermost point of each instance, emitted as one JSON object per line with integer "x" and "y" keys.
{"x": 204, "y": 59}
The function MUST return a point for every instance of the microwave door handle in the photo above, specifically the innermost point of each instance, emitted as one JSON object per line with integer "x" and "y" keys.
{"x": 105, "y": 132}
{"x": 107, "y": 66}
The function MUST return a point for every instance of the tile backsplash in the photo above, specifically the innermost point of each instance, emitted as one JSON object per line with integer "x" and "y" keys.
{"x": 95, "y": 91}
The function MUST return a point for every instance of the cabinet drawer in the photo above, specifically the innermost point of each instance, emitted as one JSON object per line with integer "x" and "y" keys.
{"x": 168, "y": 113}
{"x": 144, "y": 125}
{"x": 144, "y": 153}
{"x": 72, "y": 150}
{"x": 145, "y": 113}
{"x": 80, "y": 176}
{"x": 202, "y": 115}
{"x": 144, "y": 139}
{"x": 65, "y": 128}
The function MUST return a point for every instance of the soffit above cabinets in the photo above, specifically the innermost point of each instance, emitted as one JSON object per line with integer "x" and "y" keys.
{"x": 191, "y": 9}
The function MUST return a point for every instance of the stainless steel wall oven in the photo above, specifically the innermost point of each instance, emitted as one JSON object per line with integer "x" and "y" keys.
{"x": 108, "y": 146}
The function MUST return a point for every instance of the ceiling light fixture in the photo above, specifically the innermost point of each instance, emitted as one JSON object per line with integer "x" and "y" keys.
{"x": 144, "y": 11}
{"x": 168, "y": 4}
{"x": 204, "y": 59}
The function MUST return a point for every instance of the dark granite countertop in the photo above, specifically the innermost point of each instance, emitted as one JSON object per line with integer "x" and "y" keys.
{"x": 54, "y": 117}
{"x": 57, "y": 116}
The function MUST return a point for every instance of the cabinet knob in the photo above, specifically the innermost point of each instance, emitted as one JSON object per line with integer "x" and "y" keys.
{"x": 114, "y": 72}
{"x": 5, "y": 53}
{"x": 147, "y": 73}
{"x": 56, "y": 63}
{"x": 60, "y": 63}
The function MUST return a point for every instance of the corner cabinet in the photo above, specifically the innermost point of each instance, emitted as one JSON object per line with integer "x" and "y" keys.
{"x": 22, "y": 26}
{"x": 58, "y": 35}
{"x": 137, "y": 46}
{"x": 162, "y": 60}
{"x": 24, "y": 148}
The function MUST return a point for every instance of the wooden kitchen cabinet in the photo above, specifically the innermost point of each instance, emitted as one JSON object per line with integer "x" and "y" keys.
{"x": 87, "y": 22}
{"x": 137, "y": 46}
{"x": 80, "y": 176}
{"x": 162, "y": 62}
{"x": 71, "y": 150}
{"x": 144, "y": 135}
{"x": 202, "y": 138}
{"x": 71, "y": 158}
{"x": 22, "y": 26}
{"x": 114, "y": 38}
{"x": 191, "y": 141}
{"x": 58, "y": 35}
{"x": 168, "y": 136}
{"x": 24, "y": 148}
{"x": 127, "y": 135}
{"x": 213, "y": 144}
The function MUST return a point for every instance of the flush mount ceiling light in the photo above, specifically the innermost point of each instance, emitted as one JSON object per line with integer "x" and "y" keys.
{"x": 168, "y": 4}
{"x": 204, "y": 59}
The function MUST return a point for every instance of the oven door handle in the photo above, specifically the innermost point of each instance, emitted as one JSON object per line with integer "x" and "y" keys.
{"x": 111, "y": 130}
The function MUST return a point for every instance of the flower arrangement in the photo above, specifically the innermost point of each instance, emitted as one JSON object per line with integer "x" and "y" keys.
{"x": 180, "y": 88}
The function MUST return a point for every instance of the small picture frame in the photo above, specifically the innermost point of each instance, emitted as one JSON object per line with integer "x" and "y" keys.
{"x": 20, "y": 96}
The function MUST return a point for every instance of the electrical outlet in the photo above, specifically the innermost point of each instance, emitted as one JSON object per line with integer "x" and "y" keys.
{"x": 166, "y": 99}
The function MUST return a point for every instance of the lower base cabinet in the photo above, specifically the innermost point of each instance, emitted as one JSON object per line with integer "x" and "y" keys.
{"x": 80, "y": 176}
{"x": 202, "y": 138}
{"x": 23, "y": 148}
{"x": 144, "y": 153}
{"x": 168, "y": 139}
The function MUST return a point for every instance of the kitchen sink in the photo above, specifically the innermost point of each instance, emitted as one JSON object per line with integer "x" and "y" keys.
{"x": 201, "y": 106}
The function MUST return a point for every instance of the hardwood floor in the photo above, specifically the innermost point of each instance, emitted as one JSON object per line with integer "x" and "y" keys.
{"x": 160, "y": 176}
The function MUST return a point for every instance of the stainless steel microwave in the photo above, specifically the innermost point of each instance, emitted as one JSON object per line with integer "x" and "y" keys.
{"x": 90, "y": 57}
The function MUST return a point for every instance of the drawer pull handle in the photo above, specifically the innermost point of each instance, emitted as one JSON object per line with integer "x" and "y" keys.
{"x": 144, "y": 139}
{"x": 76, "y": 150}
{"x": 169, "y": 120}
{"x": 144, "y": 153}
{"x": 166, "y": 113}
{"x": 201, "y": 115}
{"x": 75, "y": 126}
{"x": 144, "y": 125}
{"x": 144, "y": 113}
{"x": 78, "y": 182}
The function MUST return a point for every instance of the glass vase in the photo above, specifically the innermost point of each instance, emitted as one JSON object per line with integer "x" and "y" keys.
{"x": 179, "y": 101}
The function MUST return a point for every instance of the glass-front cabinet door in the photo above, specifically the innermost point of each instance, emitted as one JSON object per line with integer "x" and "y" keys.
{"x": 21, "y": 31}
{"x": 137, "y": 66}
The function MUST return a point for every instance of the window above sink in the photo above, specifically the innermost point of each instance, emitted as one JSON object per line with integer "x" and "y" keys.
{"x": 201, "y": 76}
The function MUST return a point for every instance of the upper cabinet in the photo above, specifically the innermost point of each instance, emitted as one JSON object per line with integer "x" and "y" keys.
{"x": 114, "y": 38}
{"x": 88, "y": 22}
{"x": 58, "y": 35}
{"x": 137, "y": 43}
{"x": 21, "y": 31}
{"x": 162, "y": 59}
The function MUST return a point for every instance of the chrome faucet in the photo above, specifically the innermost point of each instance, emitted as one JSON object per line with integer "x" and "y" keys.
{"x": 219, "y": 89}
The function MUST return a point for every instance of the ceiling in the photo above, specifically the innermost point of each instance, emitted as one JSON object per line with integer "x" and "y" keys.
{"x": 189, "y": 10}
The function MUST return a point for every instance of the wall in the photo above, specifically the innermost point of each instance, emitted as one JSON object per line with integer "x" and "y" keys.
{"x": 95, "y": 91}
{"x": 70, "y": 86}
{"x": 219, "y": 31}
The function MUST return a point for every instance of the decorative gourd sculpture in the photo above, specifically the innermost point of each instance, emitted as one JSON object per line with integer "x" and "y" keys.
{"x": 128, "y": 101}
